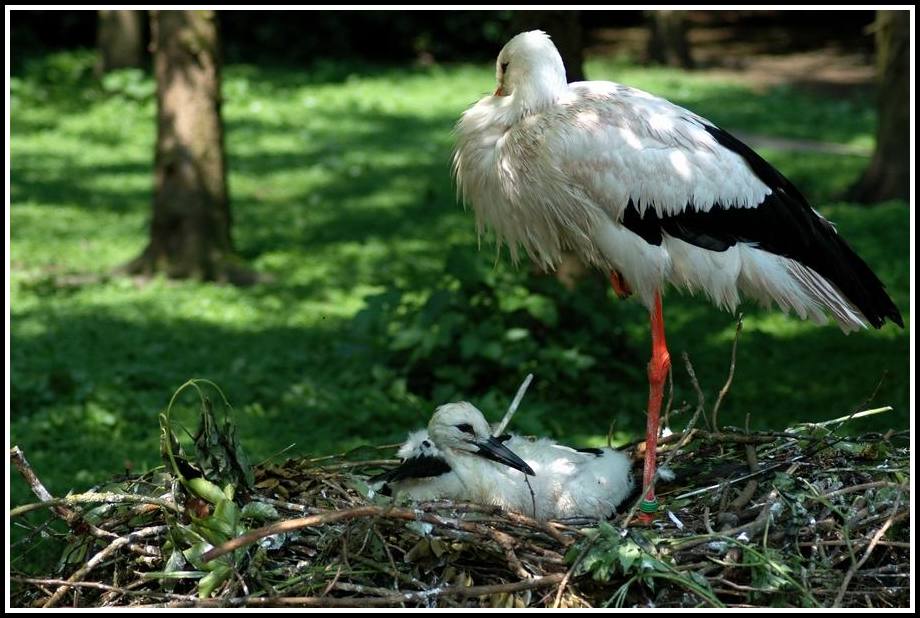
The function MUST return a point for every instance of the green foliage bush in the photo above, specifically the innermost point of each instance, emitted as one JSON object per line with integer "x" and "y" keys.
{"x": 132, "y": 84}
{"x": 484, "y": 327}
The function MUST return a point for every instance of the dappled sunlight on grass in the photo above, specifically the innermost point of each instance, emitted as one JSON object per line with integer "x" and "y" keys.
{"x": 341, "y": 190}
{"x": 781, "y": 111}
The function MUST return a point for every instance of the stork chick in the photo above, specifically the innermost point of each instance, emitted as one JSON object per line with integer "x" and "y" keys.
{"x": 563, "y": 482}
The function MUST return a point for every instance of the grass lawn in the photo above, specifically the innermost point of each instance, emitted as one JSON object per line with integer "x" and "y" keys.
{"x": 341, "y": 191}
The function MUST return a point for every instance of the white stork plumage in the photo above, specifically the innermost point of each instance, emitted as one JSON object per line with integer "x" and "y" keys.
{"x": 650, "y": 193}
{"x": 444, "y": 462}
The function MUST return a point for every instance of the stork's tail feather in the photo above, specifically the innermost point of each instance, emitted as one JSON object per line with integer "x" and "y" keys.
{"x": 786, "y": 225}
{"x": 860, "y": 286}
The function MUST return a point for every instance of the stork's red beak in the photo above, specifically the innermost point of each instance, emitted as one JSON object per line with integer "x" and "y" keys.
{"x": 499, "y": 92}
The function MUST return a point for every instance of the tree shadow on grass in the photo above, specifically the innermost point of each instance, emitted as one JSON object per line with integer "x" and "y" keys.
{"x": 52, "y": 180}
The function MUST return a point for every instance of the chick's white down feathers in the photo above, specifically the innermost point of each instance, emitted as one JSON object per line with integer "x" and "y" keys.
{"x": 566, "y": 482}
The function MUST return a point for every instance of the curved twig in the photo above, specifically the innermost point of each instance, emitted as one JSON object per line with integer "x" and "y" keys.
{"x": 93, "y": 497}
{"x": 731, "y": 375}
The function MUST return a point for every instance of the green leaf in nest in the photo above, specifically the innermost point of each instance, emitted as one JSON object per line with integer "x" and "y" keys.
{"x": 219, "y": 455}
{"x": 259, "y": 510}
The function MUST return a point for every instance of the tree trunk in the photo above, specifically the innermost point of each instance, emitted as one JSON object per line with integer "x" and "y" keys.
{"x": 190, "y": 230}
{"x": 119, "y": 39}
{"x": 888, "y": 174}
{"x": 564, "y": 27}
{"x": 667, "y": 42}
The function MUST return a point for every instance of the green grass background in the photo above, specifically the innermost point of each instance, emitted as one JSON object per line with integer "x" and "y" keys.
{"x": 340, "y": 185}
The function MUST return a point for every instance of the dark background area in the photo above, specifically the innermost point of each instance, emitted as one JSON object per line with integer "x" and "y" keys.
{"x": 398, "y": 37}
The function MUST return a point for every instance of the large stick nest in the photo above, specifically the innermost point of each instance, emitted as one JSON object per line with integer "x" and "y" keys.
{"x": 821, "y": 521}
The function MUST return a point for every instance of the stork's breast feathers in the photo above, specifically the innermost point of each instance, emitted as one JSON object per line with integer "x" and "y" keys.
{"x": 510, "y": 175}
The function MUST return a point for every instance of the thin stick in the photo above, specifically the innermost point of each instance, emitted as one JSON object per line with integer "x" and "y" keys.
{"x": 357, "y": 464}
{"x": 875, "y": 539}
{"x": 863, "y": 486}
{"x": 57, "y": 505}
{"x": 519, "y": 519}
{"x": 900, "y": 544}
{"x": 380, "y": 447}
{"x": 746, "y": 477}
{"x": 19, "y": 460}
{"x": 747, "y": 494}
{"x": 700, "y": 398}
{"x": 850, "y": 417}
{"x": 290, "y": 506}
{"x": 99, "y": 558}
{"x": 667, "y": 408}
{"x": 96, "y": 585}
{"x": 374, "y": 601}
{"x": 95, "y": 497}
{"x": 731, "y": 375}
{"x": 505, "y": 540}
{"x": 403, "y": 577}
{"x": 514, "y": 406}
{"x": 568, "y": 574}
{"x": 759, "y": 437}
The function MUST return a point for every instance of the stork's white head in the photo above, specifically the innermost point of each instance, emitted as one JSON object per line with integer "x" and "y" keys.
{"x": 530, "y": 69}
{"x": 461, "y": 429}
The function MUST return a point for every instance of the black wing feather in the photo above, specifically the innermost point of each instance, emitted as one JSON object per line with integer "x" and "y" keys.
{"x": 783, "y": 224}
{"x": 423, "y": 466}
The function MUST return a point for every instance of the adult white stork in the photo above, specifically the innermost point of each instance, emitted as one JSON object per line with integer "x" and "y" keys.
{"x": 650, "y": 193}
{"x": 446, "y": 461}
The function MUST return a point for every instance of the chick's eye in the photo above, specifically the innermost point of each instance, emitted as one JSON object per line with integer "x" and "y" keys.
{"x": 504, "y": 66}
{"x": 465, "y": 428}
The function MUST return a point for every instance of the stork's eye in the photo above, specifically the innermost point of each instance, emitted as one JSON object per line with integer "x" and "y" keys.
{"x": 466, "y": 428}
{"x": 504, "y": 66}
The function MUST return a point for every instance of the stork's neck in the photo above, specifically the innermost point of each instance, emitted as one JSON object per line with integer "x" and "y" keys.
{"x": 466, "y": 467}
{"x": 543, "y": 87}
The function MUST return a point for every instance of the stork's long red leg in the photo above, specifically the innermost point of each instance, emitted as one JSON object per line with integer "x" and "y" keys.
{"x": 658, "y": 368}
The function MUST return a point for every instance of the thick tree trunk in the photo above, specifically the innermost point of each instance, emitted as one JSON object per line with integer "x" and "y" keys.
{"x": 119, "y": 38}
{"x": 667, "y": 42}
{"x": 190, "y": 231}
{"x": 564, "y": 27}
{"x": 888, "y": 174}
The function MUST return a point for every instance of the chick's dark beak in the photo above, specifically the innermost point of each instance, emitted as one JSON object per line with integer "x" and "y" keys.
{"x": 496, "y": 451}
